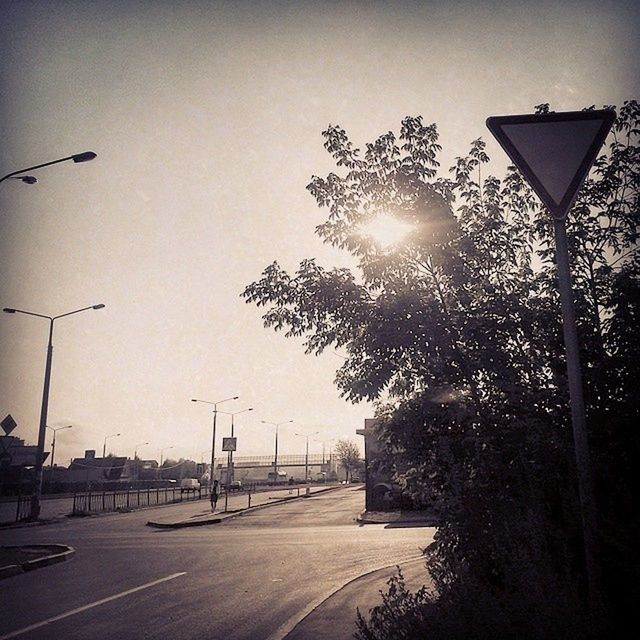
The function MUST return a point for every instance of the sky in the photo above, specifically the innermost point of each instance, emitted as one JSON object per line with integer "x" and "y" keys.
{"x": 206, "y": 118}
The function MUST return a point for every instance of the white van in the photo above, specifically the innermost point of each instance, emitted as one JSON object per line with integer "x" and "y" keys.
{"x": 189, "y": 484}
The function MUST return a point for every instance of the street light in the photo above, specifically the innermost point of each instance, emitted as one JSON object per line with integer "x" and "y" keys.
{"x": 213, "y": 437}
{"x": 136, "y": 467}
{"x": 76, "y": 157}
{"x": 275, "y": 457}
{"x": 162, "y": 452}
{"x": 323, "y": 442}
{"x": 135, "y": 451}
{"x": 306, "y": 455}
{"x": 35, "y": 498}
{"x": 53, "y": 444}
{"x": 230, "y": 456}
{"x": 104, "y": 446}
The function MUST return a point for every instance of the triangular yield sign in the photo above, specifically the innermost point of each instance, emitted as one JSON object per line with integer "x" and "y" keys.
{"x": 553, "y": 151}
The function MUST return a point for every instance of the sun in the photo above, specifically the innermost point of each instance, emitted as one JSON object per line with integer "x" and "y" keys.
{"x": 386, "y": 231}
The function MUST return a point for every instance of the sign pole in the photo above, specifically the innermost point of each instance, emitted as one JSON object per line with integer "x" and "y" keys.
{"x": 578, "y": 420}
{"x": 554, "y": 152}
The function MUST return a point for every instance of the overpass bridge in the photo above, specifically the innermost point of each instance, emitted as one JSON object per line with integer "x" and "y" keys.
{"x": 258, "y": 467}
{"x": 254, "y": 462}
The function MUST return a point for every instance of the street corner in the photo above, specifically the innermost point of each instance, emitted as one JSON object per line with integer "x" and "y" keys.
{"x": 194, "y": 521}
{"x": 19, "y": 559}
{"x": 398, "y": 518}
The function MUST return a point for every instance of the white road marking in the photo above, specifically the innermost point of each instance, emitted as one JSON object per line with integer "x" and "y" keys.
{"x": 97, "y": 603}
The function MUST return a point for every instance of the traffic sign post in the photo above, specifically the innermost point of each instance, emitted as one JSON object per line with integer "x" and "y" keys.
{"x": 8, "y": 424}
{"x": 554, "y": 152}
{"x": 229, "y": 444}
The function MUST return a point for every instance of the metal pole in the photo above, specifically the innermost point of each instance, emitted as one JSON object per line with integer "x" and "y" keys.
{"x": 306, "y": 462}
{"x": 578, "y": 420}
{"x": 53, "y": 448}
{"x": 35, "y": 498}
{"x": 230, "y": 473}
{"x": 275, "y": 460}
{"x": 213, "y": 444}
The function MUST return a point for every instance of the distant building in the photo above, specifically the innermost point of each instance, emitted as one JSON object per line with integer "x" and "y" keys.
{"x": 381, "y": 494}
{"x": 14, "y": 452}
{"x": 17, "y": 462}
{"x": 100, "y": 470}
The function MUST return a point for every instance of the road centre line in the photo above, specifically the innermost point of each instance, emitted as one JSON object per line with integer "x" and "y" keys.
{"x": 97, "y": 603}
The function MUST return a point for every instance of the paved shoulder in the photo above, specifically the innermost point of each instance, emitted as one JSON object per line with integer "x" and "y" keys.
{"x": 335, "y": 618}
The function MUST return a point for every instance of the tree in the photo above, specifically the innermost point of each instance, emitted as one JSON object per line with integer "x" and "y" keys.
{"x": 457, "y": 334}
{"x": 348, "y": 456}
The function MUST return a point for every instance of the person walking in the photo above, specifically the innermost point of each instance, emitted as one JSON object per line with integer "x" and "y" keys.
{"x": 215, "y": 492}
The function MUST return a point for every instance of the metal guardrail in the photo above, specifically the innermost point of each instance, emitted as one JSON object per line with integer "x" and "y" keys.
{"x": 123, "y": 500}
{"x": 23, "y": 508}
{"x": 97, "y": 501}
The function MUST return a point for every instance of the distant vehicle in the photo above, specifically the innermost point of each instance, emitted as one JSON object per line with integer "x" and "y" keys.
{"x": 189, "y": 484}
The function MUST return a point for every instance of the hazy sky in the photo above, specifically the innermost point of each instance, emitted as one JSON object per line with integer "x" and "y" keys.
{"x": 207, "y": 120}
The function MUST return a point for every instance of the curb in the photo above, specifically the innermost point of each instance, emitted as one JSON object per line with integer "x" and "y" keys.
{"x": 289, "y": 627}
{"x": 183, "y": 523}
{"x": 63, "y": 553}
{"x": 364, "y": 518}
{"x": 232, "y": 514}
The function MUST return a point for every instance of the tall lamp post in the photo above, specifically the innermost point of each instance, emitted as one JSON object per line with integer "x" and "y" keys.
{"x": 230, "y": 456}
{"x": 53, "y": 444}
{"x": 323, "y": 442}
{"x": 37, "y": 493}
{"x": 104, "y": 444}
{"x": 275, "y": 457}
{"x": 213, "y": 436}
{"x": 306, "y": 455}
{"x": 135, "y": 451}
{"x": 135, "y": 458}
{"x": 76, "y": 157}
{"x": 162, "y": 453}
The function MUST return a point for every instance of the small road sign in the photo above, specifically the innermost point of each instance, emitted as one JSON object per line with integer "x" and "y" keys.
{"x": 8, "y": 424}
{"x": 229, "y": 444}
{"x": 553, "y": 151}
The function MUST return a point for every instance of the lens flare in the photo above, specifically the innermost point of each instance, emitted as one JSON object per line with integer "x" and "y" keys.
{"x": 386, "y": 231}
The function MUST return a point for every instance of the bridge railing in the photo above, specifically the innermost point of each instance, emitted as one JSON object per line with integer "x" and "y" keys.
{"x": 283, "y": 461}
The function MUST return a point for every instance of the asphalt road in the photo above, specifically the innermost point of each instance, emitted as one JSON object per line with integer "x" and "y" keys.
{"x": 249, "y": 578}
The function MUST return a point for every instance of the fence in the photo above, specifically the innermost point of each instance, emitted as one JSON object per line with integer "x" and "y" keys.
{"x": 90, "y": 502}
{"x": 128, "y": 499}
{"x": 23, "y": 508}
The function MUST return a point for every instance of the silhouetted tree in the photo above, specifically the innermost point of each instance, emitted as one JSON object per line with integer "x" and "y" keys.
{"x": 348, "y": 456}
{"x": 458, "y": 330}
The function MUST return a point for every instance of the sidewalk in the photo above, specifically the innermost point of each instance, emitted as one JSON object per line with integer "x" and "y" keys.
{"x": 422, "y": 518}
{"x": 335, "y": 618}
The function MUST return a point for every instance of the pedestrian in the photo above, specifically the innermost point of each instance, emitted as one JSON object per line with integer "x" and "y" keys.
{"x": 215, "y": 492}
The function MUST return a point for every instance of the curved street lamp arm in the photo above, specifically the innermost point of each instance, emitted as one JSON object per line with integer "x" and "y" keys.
{"x": 214, "y": 403}
{"x": 76, "y": 157}
{"x": 27, "y": 313}
{"x": 93, "y": 306}
{"x": 52, "y": 318}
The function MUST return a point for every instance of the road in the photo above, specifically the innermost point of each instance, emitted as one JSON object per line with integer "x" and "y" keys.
{"x": 249, "y": 578}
